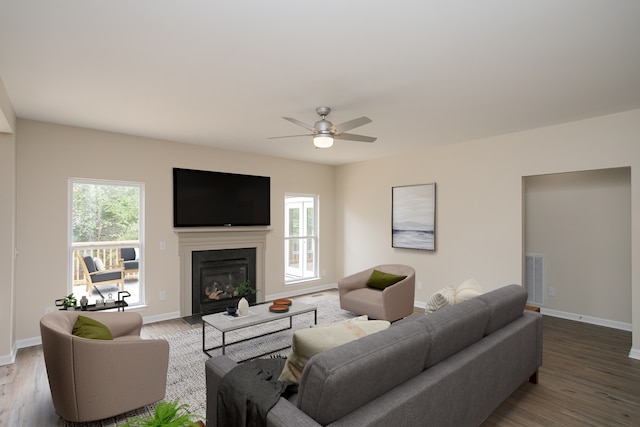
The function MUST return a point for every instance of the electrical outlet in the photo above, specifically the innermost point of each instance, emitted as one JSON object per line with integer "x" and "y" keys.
{"x": 49, "y": 310}
{"x": 552, "y": 292}
{"x": 163, "y": 296}
{"x": 419, "y": 284}
{"x": 163, "y": 246}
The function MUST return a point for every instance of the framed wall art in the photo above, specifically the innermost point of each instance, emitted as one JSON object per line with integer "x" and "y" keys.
{"x": 413, "y": 217}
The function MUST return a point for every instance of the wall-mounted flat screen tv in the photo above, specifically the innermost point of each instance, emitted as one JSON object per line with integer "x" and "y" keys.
{"x": 217, "y": 199}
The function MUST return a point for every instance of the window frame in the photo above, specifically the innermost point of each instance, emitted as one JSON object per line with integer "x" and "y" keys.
{"x": 71, "y": 248}
{"x": 303, "y": 237}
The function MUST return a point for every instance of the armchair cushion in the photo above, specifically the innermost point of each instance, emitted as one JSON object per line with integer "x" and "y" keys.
{"x": 381, "y": 280}
{"x": 86, "y": 327}
{"x": 91, "y": 266}
{"x": 128, "y": 254}
{"x": 107, "y": 275}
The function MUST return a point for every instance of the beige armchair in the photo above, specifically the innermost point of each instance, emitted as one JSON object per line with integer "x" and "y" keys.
{"x": 95, "y": 379}
{"x": 392, "y": 303}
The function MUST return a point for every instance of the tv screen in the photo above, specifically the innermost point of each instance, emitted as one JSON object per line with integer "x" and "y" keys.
{"x": 214, "y": 199}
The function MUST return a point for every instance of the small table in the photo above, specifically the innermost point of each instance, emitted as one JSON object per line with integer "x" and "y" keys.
{"x": 258, "y": 315}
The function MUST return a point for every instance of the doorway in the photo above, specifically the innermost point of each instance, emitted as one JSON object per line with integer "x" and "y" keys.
{"x": 580, "y": 222}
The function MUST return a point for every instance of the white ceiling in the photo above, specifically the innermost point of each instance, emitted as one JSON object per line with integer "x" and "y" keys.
{"x": 223, "y": 73}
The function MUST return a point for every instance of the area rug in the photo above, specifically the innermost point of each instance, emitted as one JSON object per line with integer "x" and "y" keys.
{"x": 186, "y": 377}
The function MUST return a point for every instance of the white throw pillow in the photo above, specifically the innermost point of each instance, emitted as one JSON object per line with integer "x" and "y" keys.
{"x": 310, "y": 341}
{"x": 99, "y": 264}
{"x": 444, "y": 297}
{"x": 468, "y": 289}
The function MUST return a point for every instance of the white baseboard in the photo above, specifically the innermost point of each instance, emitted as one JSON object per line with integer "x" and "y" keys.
{"x": 295, "y": 293}
{"x": 635, "y": 353}
{"x": 161, "y": 317}
{"x": 586, "y": 319}
{"x": 9, "y": 358}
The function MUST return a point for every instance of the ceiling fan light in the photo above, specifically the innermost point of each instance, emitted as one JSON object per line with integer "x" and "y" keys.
{"x": 322, "y": 141}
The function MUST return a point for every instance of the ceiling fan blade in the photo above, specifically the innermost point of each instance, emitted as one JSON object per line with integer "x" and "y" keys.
{"x": 352, "y": 124}
{"x": 289, "y": 136}
{"x": 299, "y": 123}
{"x": 353, "y": 137}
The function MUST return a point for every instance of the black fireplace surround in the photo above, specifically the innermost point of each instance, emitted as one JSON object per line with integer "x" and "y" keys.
{"x": 215, "y": 275}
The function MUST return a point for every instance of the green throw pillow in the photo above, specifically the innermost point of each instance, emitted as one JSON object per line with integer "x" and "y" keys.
{"x": 381, "y": 280}
{"x": 85, "y": 327}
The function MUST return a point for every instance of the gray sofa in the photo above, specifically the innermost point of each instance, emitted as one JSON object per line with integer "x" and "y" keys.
{"x": 449, "y": 368}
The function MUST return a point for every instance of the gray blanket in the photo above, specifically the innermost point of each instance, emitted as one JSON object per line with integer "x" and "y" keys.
{"x": 249, "y": 391}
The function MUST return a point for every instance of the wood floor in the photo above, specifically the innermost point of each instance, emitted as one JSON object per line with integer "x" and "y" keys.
{"x": 587, "y": 379}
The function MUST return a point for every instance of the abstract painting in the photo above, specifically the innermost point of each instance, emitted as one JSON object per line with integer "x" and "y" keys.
{"x": 413, "y": 221}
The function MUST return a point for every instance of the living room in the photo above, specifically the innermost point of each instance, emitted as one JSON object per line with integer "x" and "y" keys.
{"x": 481, "y": 216}
{"x": 479, "y": 182}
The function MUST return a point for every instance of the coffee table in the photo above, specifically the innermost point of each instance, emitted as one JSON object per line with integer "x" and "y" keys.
{"x": 258, "y": 315}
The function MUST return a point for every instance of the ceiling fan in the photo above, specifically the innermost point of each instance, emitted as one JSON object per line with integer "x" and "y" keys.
{"x": 324, "y": 132}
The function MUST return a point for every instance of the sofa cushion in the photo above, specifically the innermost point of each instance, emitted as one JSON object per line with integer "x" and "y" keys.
{"x": 381, "y": 280}
{"x": 505, "y": 305}
{"x": 442, "y": 298}
{"x": 372, "y": 365}
{"x": 85, "y": 327}
{"x": 454, "y": 328}
{"x": 308, "y": 342}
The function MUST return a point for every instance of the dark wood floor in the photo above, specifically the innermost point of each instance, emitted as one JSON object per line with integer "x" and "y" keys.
{"x": 587, "y": 379}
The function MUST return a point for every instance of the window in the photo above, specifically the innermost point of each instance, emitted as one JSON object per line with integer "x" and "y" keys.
{"x": 301, "y": 237}
{"x": 105, "y": 225}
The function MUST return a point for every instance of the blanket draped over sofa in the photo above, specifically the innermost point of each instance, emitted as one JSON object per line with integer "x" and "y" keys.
{"x": 452, "y": 367}
{"x": 249, "y": 391}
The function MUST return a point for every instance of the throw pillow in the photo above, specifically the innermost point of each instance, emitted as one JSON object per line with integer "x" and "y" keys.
{"x": 86, "y": 327}
{"x": 308, "y": 342}
{"x": 468, "y": 289}
{"x": 442, "y": 298}
{"x": 381, "y": 280}
{"x": 363, "y": 318}
{"x": 99, "y": 264}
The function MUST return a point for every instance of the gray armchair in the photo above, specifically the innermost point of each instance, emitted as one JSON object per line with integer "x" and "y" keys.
{"x": 94, "y": 379}
{"x": 129, "y": 261}
{"x": 93, "y": 276}
{"x": 392, "y": 303}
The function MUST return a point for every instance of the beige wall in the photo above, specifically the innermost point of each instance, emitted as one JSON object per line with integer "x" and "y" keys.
{"x": 48, "y": 155}
{"x": 581, "y": 223}
{"x": 480, "y": 201}
{"x": 479, "y": 211}
{"x": 7, "y": 227}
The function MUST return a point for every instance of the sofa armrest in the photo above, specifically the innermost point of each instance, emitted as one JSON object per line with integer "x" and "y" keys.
{"x": 215, "y": 368}
{"x": 283, "y": 414}
{"x": 286, "y": 414}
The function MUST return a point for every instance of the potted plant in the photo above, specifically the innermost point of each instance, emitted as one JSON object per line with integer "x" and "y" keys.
{"x": 244, "y": 289}
{"x": 168, "y": 414}
{"x": 66, "y": 302}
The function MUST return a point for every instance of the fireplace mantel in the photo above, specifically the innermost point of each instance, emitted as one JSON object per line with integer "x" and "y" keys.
{"x": 205, "y": 239}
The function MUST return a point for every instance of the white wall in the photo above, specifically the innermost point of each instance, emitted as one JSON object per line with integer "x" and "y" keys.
{"x": 581, "y": 223}
{"x": 480, "y": 201}
{"x": 7, "y": 226}
{"x": 48, "y": 155}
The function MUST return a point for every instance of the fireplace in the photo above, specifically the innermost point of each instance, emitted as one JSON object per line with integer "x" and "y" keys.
{"x": 195, "y": 240}
{"x": 215, "y": 276}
